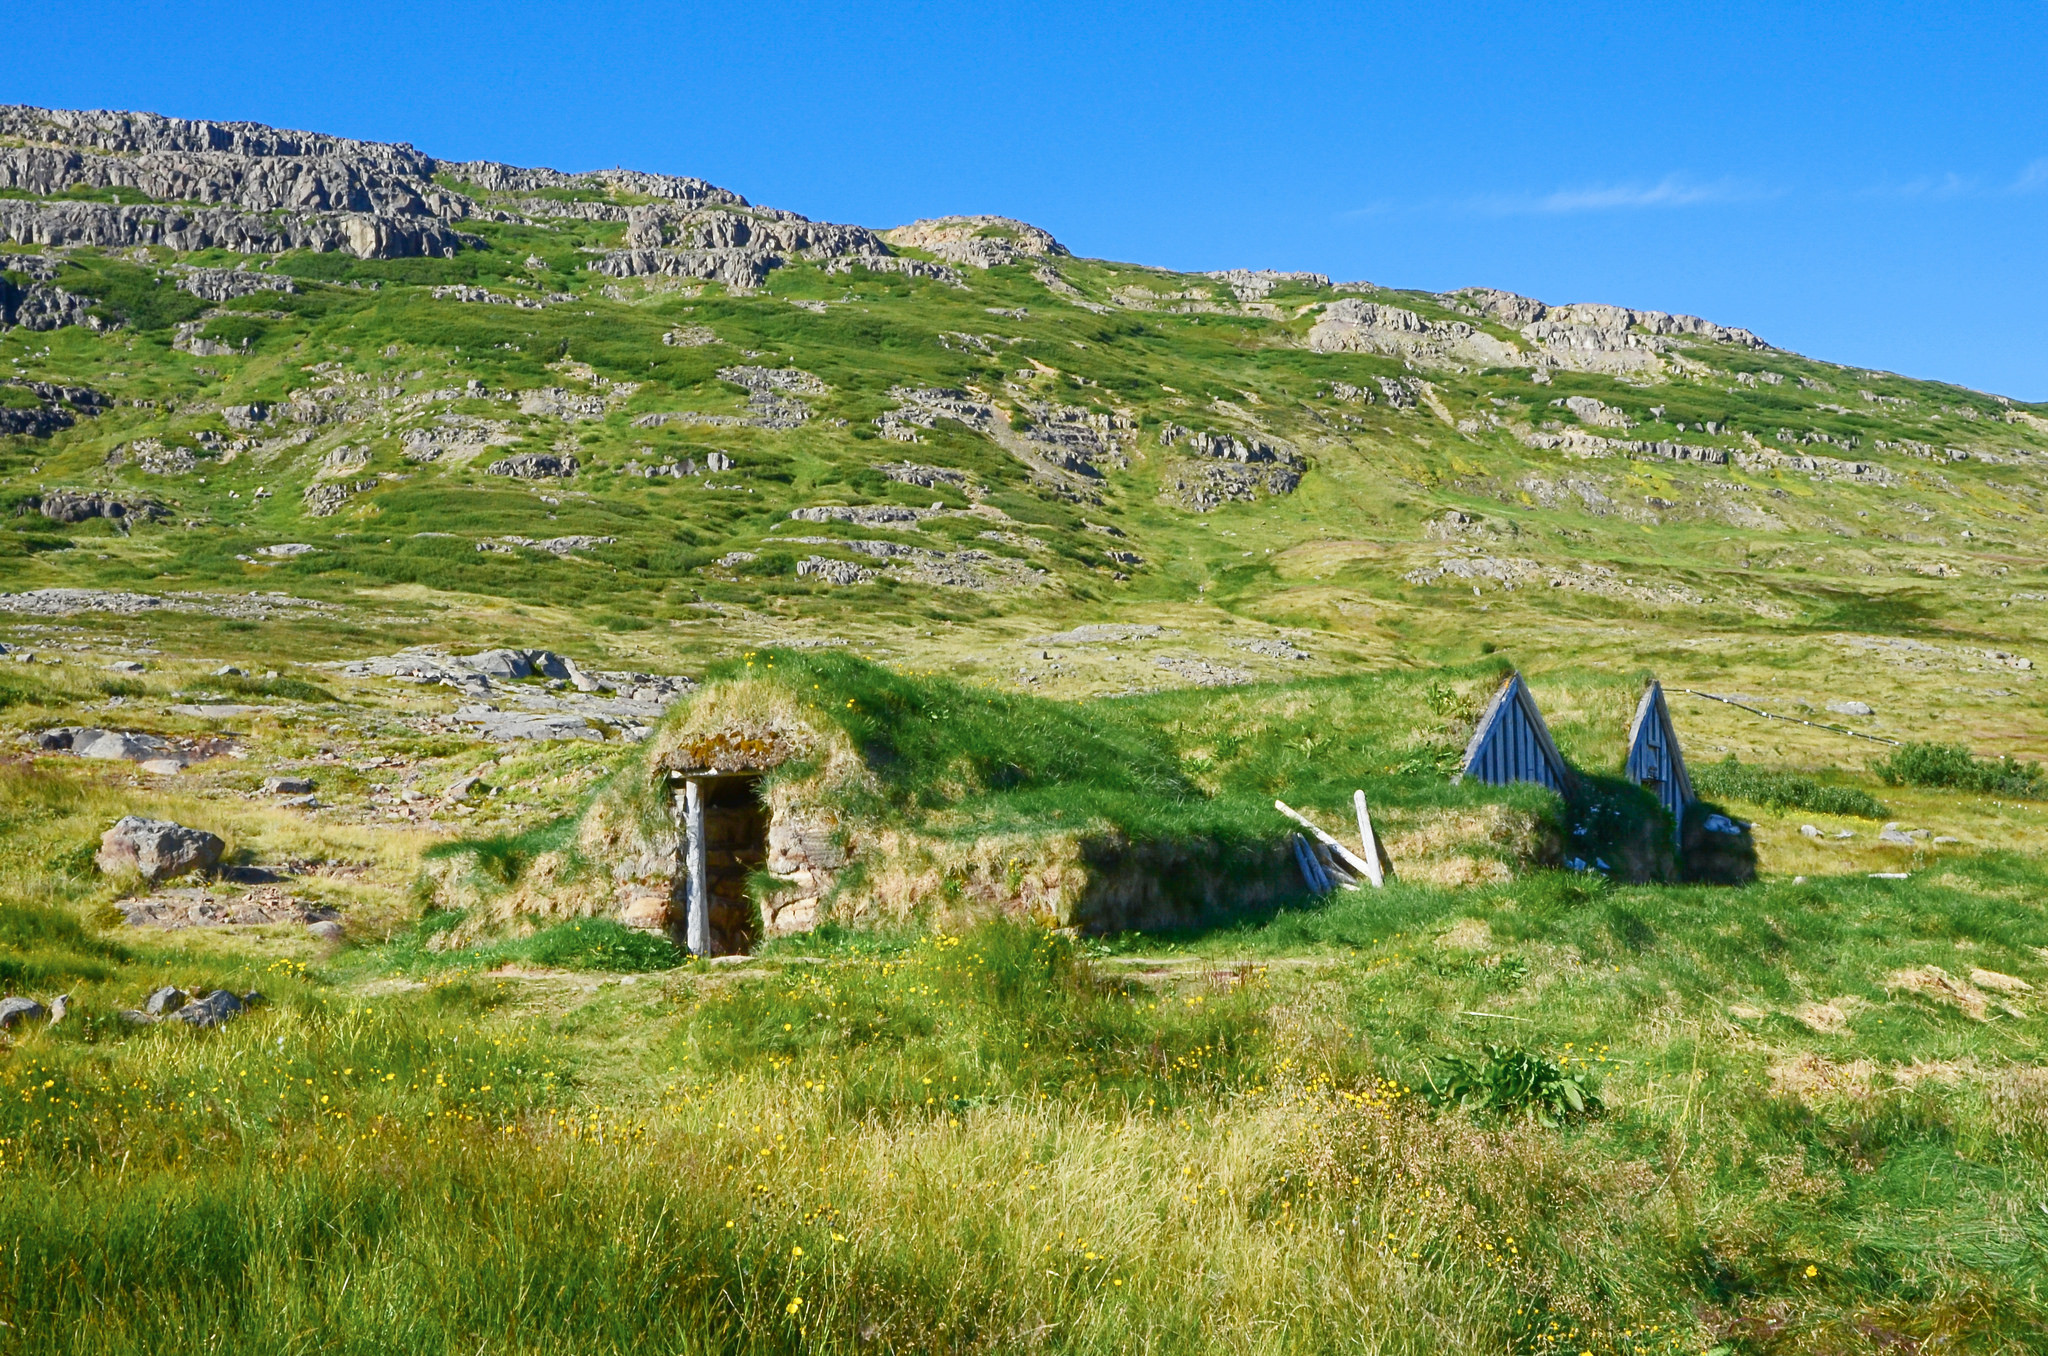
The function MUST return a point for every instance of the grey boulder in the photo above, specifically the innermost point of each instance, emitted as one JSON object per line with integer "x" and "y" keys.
{"x": 156, "y": 849}
{"x": 15, "y": 1011}
{"x": 167, "y": 999}
{"x": 510, "y": 725}
{"x": 117, "y": 745}
{"x": 214, "y": 1009}
{"x": 517, "y": 664}
{"x": 121, "y": 746}
{"x": 289, "y": 786}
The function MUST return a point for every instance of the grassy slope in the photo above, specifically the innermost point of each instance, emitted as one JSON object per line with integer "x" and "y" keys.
{"x": 1818, "y": 557}
{"x": 514, "y": 1152}
{"x": 972, "y": 1141}
{"x": 995, "y": 1143}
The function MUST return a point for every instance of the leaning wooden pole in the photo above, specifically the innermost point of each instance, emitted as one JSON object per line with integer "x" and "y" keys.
{"x": 697, "y": 924}
{"x": 1369, "y": 842}
{"x": 1349, "y": 857}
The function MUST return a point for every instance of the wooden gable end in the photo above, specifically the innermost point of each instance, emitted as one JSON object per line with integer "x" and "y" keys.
{"x": 1655, "y": 761}
{"x": 1512, "y": 743}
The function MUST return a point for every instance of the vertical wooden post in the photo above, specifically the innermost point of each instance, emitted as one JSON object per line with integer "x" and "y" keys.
{"x": 697, "y": 923}
{"x": 1369, "y": 841}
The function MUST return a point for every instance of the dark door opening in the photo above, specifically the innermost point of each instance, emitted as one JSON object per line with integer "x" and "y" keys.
{"x": 725, "y": 840}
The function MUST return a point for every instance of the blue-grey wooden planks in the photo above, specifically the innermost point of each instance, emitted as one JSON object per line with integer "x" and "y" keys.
{"x": 1512, "y": 744}
{"x": 1654, "y": 759}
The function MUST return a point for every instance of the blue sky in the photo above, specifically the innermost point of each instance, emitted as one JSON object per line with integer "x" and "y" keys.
{"x": 1866, "y": 183}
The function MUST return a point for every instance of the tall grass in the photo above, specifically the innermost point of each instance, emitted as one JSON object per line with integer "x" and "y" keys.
{"x": 594, "y": 944}
{"x": 1955, "y": 767}
{"x": 1731, "y": 779}
{"x": 992, "y": 1143}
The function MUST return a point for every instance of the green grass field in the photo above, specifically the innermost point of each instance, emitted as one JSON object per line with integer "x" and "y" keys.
{"x": 1813, "y": 1122}
{"x": 1498, "y": 1107}
{"x": 1006, "y": 1140}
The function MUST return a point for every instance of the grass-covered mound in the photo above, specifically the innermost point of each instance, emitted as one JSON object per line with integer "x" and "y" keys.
{"x": 963, "y": 802}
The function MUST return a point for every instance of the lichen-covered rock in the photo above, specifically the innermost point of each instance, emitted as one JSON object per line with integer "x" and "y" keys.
{"x": 156, "y": 849}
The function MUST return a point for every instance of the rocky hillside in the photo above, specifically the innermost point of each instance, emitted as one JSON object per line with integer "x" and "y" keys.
{"x": 638, "y": 415}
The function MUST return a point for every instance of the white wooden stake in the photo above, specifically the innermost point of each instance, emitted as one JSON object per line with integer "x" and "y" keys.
{"x": 1369, "y": 842}
{"x": 1344, "y": 854}
{"x": 697, "y": 923}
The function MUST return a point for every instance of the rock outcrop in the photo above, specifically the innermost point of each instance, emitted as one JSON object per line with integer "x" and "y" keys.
{"x": 56, "y": 407}
{"x": 977, "y": 241}
{"x": 29, "y": 300}
{"x": 833, "y": 571}
{"x": 534, "y": 466}
{"x": 1607, "y": 322}
{"x": 1212, "y": 469}
{"x": 1587, "y": 337}
{"x": 253, "y": 189}
{"x": 237, "y": 186}
{"x": 1352, "y": 325}
{"x": 76, "y": 506}
{"x": 225, "y": 284}
{"x": 109, "y": 226}
{"x": 1065, "y": 443}
{"x": 561, "y": 705}
{"x": 1256, "y": 284}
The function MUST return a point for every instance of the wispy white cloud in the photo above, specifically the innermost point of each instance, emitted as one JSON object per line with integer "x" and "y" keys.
{"x": 1673, "y": 190}
{"x": 1928, "y": 187}
{"x": 2032, "y": 178}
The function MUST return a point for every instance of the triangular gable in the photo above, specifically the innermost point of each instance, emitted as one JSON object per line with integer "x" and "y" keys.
{"x": 1654, "y": 759}
{"x": 1512, "y": 744}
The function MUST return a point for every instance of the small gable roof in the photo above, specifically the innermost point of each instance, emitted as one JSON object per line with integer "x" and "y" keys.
{"x": 1654, "y": 755}
{"x": 1512, "y": 743}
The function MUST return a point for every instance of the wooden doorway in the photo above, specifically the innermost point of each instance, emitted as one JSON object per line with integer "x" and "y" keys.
{"x": 724, "y": 841}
